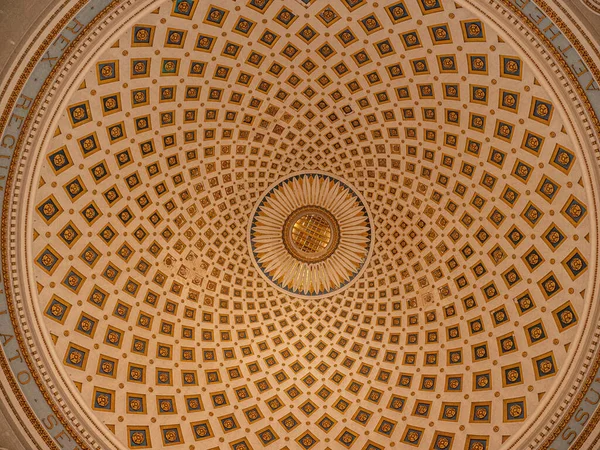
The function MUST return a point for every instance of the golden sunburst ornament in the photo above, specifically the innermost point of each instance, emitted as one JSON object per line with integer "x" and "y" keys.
{"x": 310, "y": 235}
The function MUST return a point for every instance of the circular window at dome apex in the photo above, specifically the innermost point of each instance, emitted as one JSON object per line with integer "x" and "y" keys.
{"x": 310, "y": 235}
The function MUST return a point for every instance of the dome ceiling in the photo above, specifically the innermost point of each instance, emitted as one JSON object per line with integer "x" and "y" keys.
{"x": 464, "y": 312}
{"x": 311, "y": 224}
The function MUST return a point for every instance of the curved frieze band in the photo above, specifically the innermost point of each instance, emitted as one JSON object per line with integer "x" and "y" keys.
{"x": 594, "y": 5}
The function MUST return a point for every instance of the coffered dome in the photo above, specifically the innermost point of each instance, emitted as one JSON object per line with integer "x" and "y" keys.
{"x": 310, "y": 224}
{"x": 463, "y": 314}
